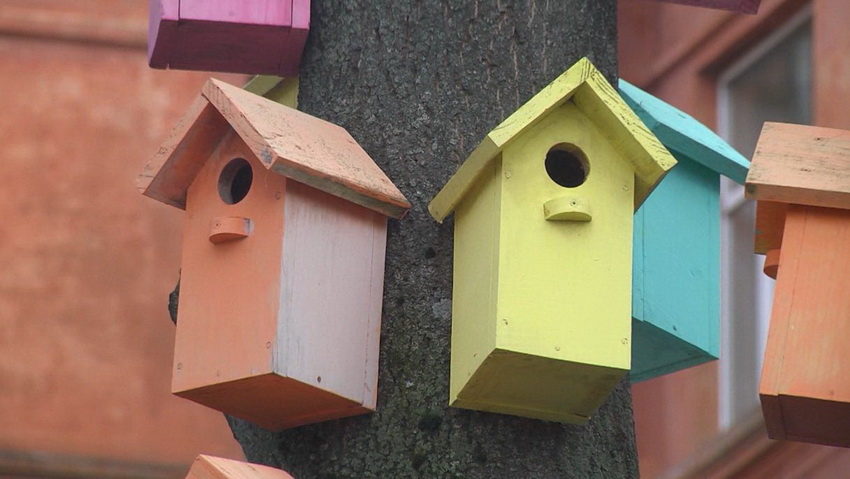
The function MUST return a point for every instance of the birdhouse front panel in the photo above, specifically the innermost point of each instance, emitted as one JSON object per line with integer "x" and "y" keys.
{"x": 676, "y": 293}
{"x": 227, "y": 321}
{"x": 560, "y": 200}
{"x": 804, "y": 391}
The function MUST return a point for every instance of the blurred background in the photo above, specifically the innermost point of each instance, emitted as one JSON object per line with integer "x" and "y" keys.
{"x": 733, "y": 72}
{"x": 87, "y": 262}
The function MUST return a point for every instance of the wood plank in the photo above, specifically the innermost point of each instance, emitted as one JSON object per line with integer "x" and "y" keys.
{"x": 801, "y": 164}
{"x": 804, "y": 377}
{"x": 211, "y": 467}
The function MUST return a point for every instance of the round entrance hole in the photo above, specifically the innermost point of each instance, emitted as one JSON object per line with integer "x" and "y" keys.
{"x": 567, "y": 165}
{"x": 235, "y": 181}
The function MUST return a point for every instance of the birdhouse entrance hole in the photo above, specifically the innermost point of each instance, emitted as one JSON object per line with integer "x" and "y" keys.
{"x": 567, "y": 165}
{"x": 235, "y": 181}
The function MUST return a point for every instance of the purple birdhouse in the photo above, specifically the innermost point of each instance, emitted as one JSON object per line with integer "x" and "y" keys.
{"x": 256, "y": 37}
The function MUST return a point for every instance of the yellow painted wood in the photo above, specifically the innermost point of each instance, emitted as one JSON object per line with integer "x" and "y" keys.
{"x": 567, "y": 208}
{"x": 476, "y": 265}
{"x": 279, "y": 89}
{"x": 541, "y": 323}
{"x": 592, "y": 93}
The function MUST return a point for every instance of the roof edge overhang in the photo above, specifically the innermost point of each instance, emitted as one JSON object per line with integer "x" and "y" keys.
{"x": 683, "y": 135}
{"x": 220, "y": 106}
{"x": 592, "y": 93}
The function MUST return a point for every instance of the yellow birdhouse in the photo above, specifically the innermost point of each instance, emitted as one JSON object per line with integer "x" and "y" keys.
{"x": 541, "y": 309}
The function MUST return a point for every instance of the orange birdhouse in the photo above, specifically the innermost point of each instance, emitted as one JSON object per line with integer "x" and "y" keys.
{"x": 283, "y": 259}
{"x": 800, "y": 176}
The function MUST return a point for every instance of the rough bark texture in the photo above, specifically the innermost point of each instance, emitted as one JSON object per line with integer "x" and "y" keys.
{"x": 419, "y": 84}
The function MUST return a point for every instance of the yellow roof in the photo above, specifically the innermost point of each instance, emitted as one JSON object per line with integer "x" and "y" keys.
{"x": 585, "y": 86}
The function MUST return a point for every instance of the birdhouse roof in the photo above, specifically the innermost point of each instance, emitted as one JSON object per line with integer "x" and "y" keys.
{"x": 587, "y": 88}
{"x": 685, "y": 137}
{"x": 286, "y": 141}
{"x": 211, "y": 467}
{"x": 804, "y": 165}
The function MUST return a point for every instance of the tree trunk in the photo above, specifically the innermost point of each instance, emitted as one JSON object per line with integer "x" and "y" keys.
{"x": 419, "y": 85}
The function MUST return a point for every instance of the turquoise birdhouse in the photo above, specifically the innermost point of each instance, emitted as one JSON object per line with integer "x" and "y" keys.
{"x": 676, "y": 267}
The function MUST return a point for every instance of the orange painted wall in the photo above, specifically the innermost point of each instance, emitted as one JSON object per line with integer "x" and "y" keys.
{"x": 87, "y": 262}
{"x": 676, "y": 52}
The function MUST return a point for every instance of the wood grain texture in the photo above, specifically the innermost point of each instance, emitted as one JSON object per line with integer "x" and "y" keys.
{"x": 685, "y": 137}
{"x": 804, "y": 392}
{"x": 740, "y": 6}
{"x": 211, "y": 467}
{"x": 801, "y": 164}
{"x": 590, "y": 91}
{"x": 676, "y": 273}
{"x": 286, "y": 141}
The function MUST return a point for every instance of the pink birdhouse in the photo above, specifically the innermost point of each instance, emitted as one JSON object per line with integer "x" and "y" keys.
{"x": 256, "y": 37}
{"x": 740, "y": 6}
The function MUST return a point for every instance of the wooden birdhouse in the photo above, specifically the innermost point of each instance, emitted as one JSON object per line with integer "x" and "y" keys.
{"x": 676, "y": 269}
{"x": 253, "y": 37}
{"x": 739, "y": 6}
{"x": 211, "y": 467}
{"x": 541, "y": 323}
{"x": 800, "y": 176}
{"x": 283, "y": 259}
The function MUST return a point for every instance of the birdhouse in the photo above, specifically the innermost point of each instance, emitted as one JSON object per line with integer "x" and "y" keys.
{"x": 253, "y": 37}
{"x": 211, "y": 467}
{"x": 543, "y": 250}
{"x": 799, "y": 176}
{"x": 676, "y": 269}
{"x": 739, "y": 6}
{"x": 283, "y": 259}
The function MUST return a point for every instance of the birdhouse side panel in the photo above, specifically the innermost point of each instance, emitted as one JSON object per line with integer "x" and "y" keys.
{"x": 805, "y": 356}
{"x": 565, "y": 285}
{"x": 476, "y": 274}
{"x": 230, "y": 290}
{"x": 332, "y": 276}
{"x": 676, "y": 274}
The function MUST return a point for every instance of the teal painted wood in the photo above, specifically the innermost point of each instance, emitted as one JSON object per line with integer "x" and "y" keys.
{"x": 676, "y": 274}
{"x": 684, "y": 136}
{"x": 676, "y": 265}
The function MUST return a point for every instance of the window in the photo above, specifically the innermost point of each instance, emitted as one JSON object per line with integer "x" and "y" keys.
{"x": 771, "y": 83}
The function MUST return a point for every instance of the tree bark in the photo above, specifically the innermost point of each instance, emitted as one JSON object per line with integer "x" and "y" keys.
{"x": 419, "y": 84}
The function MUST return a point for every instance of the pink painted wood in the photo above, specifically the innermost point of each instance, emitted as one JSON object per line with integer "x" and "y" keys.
{"x": 740, "y": 6}
{"x": 253, "y": 37}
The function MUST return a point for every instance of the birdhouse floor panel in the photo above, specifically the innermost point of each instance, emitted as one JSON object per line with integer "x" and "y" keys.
{"x": 274, "y": 402}
{"x": 538, "y": 387}
{"x": 219, "y": 46}
{"x": 656, "y": 352}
